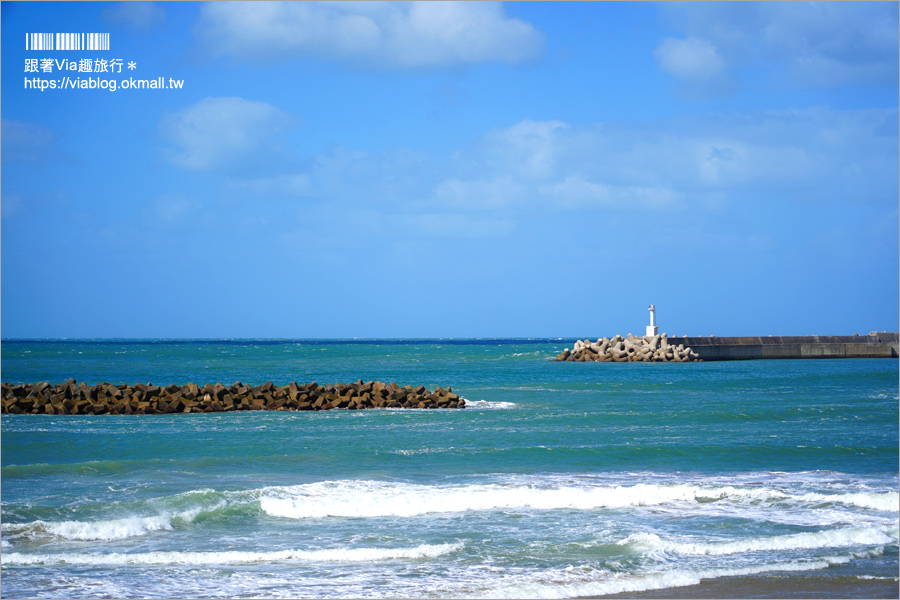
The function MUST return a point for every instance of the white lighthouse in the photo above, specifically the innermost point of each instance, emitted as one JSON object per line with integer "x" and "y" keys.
{"x": 652, "y": 329}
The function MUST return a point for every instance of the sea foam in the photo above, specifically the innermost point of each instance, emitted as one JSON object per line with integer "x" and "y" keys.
{"x": 232, "y": 557}
{"x": 885, "y": 501}
{"x": 597, "y": 582}
{"x": 112, "y": 529}
{"x": 359, "y": 498}
{"x": 489, "y": 405}
{"x": 833, "y": 538}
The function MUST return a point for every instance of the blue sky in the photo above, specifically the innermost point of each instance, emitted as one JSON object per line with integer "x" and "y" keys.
{"x": 454, "y": 170}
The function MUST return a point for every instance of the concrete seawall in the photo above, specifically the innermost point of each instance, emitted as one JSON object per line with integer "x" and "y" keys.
{"x": 874, "y": 345}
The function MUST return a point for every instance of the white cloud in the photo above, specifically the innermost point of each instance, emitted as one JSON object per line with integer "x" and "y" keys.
{"x": 807, "y": 44}
{"x": 528, "y": 147}
{"x": 382, "y": 34}
{"x": 138, "y": 16}
{"x": 613, "y": 171}
{"x": 810, "y": 156}
{"x": 224, "y": 133}
{"x": 696, "y": 63}
{"x": 835, "y": 43}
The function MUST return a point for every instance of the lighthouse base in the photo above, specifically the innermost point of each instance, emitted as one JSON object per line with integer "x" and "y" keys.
{"x": 652, "y": 330}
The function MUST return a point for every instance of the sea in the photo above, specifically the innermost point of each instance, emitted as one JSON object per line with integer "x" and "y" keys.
{"x": 558, "y": 479}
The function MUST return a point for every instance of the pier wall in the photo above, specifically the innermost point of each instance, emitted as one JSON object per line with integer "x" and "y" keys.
{"x": 876, "y": 345}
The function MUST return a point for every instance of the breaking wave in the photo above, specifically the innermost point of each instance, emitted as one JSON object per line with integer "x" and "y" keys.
{"x": 357, "y": 498}
{"x": 232, "y": 557}
{"x": 832, "y": 538}
{"x": 573, "y": 583}
{"x": 113, "y": 529}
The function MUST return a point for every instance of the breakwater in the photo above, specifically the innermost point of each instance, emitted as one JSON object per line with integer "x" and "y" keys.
{"x": 73, "y": 398}
{"x": 656, "y": 348}
{"x": 874, "y": 345}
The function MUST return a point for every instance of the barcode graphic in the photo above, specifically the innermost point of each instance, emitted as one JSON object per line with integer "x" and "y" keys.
{"x": 67, "y": 41}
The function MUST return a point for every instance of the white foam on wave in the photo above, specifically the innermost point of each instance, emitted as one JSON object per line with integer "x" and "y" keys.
{"x": 832, "y": 538}
{"x": 112, "y": 529}
{"x": 417, "y": 451}
{"x": 609, "y": 583}
{"x": 884, "y": 501}
{"x": 381, "y": 499}
{"x": 359, "y": 498}
{"x": 233, "y": 557}
{"x": 601, "y": 583}
{"x": 486, "y": 405}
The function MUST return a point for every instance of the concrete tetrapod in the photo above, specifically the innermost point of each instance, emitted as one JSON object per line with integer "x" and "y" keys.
{"x": 654, "y": 348}
{"x": 71, "y": 398}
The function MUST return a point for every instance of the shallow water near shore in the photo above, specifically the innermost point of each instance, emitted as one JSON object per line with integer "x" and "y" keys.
{"x": 558, "y": 479}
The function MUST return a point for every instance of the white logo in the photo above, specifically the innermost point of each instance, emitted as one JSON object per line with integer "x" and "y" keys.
{"x": 66, "y": 41}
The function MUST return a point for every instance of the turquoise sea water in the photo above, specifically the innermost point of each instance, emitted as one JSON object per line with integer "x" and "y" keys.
{"x": 557, "y": 480}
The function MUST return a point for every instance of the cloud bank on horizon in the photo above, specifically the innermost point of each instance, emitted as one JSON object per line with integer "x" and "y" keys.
{"x": 456, "y": 170}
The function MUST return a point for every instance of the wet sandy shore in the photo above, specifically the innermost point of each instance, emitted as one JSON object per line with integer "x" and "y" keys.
{"x": 788, "y": 585}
